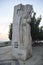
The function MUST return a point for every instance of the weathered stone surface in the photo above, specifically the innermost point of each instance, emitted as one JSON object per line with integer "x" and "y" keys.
{"x": 21, "y": 37}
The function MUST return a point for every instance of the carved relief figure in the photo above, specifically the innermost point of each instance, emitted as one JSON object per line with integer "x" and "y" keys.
{"x": 24, "y": 29}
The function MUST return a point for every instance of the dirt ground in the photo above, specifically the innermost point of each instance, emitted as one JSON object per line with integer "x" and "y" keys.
{"x": 36, "y": 59}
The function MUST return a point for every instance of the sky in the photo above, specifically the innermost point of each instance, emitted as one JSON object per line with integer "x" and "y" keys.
{"x": 6, "y": 14}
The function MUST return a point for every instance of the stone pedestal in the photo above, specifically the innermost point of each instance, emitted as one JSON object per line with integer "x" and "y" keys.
{"x": 21, "y": 36}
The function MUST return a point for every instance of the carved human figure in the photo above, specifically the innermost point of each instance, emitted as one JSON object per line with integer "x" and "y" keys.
{"x": 24, "y": 30}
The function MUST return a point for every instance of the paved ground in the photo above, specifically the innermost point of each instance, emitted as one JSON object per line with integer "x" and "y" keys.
{"x": 5, "y": 53}
{"x": 36, "y": 59}
{"x": 9, "y": 62}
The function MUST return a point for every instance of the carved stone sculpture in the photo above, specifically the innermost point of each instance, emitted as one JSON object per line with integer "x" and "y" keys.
{"x": 21, "y": 37}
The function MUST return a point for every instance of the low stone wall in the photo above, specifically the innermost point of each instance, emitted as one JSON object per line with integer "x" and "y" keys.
{"x": 3, "y": 44}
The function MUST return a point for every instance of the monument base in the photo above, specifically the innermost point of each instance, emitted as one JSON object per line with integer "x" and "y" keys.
{"x": 21, "y": 54}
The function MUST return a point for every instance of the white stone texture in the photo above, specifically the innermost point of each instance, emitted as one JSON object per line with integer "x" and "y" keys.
{"x": 21, "y": 37}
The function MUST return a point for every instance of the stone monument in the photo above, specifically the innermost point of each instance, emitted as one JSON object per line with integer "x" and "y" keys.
{"x": 21, "y": 35}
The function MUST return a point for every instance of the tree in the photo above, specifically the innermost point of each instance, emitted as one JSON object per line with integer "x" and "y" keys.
{"x": 35, "y": 27}
{"x": 41, "y": 33}
{"x": 10, "y": 32}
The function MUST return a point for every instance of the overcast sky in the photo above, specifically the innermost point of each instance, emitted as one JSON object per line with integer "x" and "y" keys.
{"x": 6, "y": 13}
